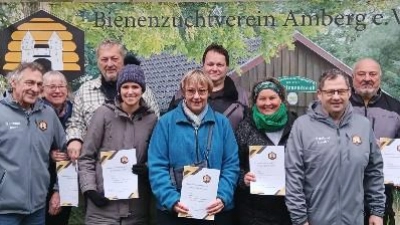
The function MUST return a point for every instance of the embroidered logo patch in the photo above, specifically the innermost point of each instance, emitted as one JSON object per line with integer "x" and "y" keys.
{"x": 356, "y": 140}
{"x": 42, "y": 125}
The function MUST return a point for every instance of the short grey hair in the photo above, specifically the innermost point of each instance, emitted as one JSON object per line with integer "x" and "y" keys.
{"x": 110, "y": 43}
{"x": 16, "y": 74}
{"x": 53, "y": 73}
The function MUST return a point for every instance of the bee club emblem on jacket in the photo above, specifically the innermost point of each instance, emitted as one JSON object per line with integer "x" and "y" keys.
{"x": 272, "y": 155}
{"x": 42, "y": 125}
{"x": 356, "y": 139}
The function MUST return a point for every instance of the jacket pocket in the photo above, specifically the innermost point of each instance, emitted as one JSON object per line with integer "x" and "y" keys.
{"x": 3, "y": 176}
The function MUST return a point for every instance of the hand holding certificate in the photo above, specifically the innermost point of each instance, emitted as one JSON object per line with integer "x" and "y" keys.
{"x": 267, "y": 163}
{"x": 390, "y": 149}
{"x": 68, "y": 183}
{"x": 199, "y": 190}
{"x": 119, "y": 181}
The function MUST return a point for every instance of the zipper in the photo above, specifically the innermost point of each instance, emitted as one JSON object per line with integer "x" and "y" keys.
{"x": 196, "y": 129}
{"x": 3, "y": 177}
{"x": 340, "y": 172}
{"x": 29, "y": 165}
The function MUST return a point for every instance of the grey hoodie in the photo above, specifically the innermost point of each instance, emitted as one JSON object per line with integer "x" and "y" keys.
{"x": 331, "y": 169}
{"x": 25, "y": 141}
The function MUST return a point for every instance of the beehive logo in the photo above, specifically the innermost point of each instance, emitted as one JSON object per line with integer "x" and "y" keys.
{"x": 43, "y": 36}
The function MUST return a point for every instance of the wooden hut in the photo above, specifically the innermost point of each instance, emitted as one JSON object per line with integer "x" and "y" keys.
{"x": 300, "y": 69}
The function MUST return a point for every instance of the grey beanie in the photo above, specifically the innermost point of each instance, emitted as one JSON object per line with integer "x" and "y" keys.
{"x": 131, "y": 73}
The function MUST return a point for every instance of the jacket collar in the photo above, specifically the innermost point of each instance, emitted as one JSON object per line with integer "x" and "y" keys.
{"x": 180, "y": 116}
{"x": 359, "y": 100}
{"x": 96, "y": 84}
{"x": 229, "y": 91}
{"x": 139, "y": 114}
{"x": 316, "y": 112}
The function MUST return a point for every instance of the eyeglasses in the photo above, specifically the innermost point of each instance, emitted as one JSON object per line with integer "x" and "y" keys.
{"x": 331, "y": 93}
{"x": 192, "y": 92}
{"x": 54, "y": 87}
{"x": 31, "y": 83}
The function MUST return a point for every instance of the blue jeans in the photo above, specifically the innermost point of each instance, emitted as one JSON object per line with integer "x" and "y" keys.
{"x": 35, "y": 218}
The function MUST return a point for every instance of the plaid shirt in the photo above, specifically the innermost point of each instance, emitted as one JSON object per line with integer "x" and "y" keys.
{"x": 87, "y": 99}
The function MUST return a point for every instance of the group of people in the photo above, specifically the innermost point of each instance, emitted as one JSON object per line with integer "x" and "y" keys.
{"x": 333, "y": 165}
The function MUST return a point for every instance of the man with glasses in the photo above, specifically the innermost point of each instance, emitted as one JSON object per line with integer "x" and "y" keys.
{"x": 28, "y": 130}
{"x": 333, "y": 164}
{"x": 382, "y": 110}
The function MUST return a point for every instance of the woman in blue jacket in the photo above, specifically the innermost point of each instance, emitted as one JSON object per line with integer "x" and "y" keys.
{"x": 193, "y": 134}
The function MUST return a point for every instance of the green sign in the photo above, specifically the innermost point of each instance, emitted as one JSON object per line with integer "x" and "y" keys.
{"x": 298, "y": 84}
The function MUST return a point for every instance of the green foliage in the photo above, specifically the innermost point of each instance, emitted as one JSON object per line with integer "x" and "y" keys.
{"x": 3, "y": 84}
{"x": 189, "y": 39}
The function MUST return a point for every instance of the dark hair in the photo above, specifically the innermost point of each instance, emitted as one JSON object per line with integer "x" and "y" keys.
{"x": 332, "y": 74}
{"x": 130, "y": 58}
{"x": 216, "y": 48}
{"x": 45, "y": 63}
{"x": 282, "y": 90}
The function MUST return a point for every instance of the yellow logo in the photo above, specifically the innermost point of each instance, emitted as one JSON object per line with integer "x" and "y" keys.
{"x": 43, "y": 36}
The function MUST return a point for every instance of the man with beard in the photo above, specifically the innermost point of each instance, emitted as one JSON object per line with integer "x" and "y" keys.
{"x": 92, "y": 94}
{"x": 381, "y": 109}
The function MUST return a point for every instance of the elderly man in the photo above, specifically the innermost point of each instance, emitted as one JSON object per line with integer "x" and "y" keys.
{"x": 28, "y": 130}
{"x": 382, "y": 110}
{"x": 92, "y": 94}
{"x": 226, "y": 97}
{"x": 333, "y": 164}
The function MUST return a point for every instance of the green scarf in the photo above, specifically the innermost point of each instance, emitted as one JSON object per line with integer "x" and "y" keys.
{"x": 270, "y": 123}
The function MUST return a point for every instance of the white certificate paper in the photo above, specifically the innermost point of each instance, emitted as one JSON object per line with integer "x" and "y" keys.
{"x": 67, "y": 178}
{"x": 119, "y": 181}
{"x": 199, "y": 189}
{"x": 268, "y": 165}
{"x": 390, "y": 149}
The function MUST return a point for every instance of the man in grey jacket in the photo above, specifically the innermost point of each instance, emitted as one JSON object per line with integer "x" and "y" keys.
{"x": 333, "y": 163}
{"x": 28, "y": 130}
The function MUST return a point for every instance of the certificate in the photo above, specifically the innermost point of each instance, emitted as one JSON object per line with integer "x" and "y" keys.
{"x": 268, "y": 165}
{"x": 390, "y": 149}
{"x": 119, "y": 181}
{"x": 67, "y": 183}
{"x": 199, "y": 189}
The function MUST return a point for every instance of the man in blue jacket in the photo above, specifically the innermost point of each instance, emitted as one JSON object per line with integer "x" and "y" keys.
{"x": 28, "y": 129}
{"x": 382, "y": 110}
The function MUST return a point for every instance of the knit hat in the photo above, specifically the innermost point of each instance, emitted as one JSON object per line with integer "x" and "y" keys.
{"x": 131, "y": 73}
